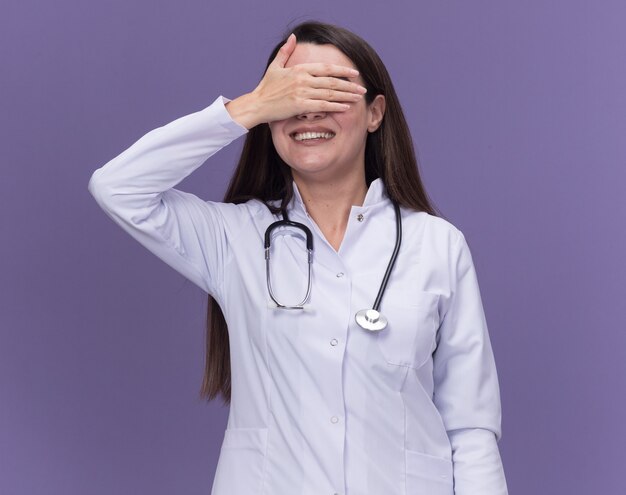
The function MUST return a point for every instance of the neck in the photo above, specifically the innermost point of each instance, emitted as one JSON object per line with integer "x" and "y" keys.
{"x": 329, "y": 203}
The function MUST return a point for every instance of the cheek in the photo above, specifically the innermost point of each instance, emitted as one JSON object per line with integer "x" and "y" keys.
{"x": 274, "y": 130}
{"x": 278, "y": 136}
{"x": 280, "y": 141}
{"x": 353, "y": 120}
{"x": 355, "y": 130}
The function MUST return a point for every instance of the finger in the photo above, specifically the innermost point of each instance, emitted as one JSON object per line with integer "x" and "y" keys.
{"x": 324, "y": 106}
{"x": 337, "y": 84}
{"x": 285, "y": 51}
{"x": 323, "y": 69}
{"x": 332, "y": 95}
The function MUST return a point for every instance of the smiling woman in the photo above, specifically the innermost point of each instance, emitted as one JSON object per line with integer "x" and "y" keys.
{"x": 321, "y": 404}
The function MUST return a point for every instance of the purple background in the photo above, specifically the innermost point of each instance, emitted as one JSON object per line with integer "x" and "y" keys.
{"x": 518, "y": 112}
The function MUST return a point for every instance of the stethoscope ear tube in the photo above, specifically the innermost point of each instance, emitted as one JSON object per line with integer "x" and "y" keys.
{"x": 285, "y": 222}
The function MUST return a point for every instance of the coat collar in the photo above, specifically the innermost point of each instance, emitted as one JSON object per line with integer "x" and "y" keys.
{"x": 375, "y": 196}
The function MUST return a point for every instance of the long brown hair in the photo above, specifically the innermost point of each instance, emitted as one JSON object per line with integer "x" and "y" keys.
{"x": 261, "y": 173}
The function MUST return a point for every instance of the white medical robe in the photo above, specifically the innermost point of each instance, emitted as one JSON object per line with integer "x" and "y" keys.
{"x": 319, "y": 405}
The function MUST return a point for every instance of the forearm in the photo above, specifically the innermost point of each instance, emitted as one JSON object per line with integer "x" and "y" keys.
{"x": 165, "y": 156}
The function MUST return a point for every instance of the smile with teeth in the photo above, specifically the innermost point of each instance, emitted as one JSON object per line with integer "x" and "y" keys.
{"x": 303, "y": 136}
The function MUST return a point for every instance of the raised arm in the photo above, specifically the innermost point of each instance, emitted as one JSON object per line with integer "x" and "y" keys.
{"x": 136, "y": 190}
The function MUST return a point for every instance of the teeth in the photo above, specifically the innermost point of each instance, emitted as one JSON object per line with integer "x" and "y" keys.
{"x": 301, "y": 136}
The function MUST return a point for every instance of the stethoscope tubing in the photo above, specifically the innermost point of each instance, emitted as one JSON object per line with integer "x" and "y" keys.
{"x": 285, "y": 222}
{"x": 369, "y": 319}
{"x": 392, "y": 261}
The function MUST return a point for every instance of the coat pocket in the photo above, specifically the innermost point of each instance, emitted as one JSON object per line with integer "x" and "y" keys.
{"x": 241, "y": 463}
{"x": 428, "y": 474}
{"x": 413, "y": 320}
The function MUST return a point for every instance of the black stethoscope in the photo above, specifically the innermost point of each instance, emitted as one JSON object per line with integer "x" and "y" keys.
{"x": 369, "y": 319}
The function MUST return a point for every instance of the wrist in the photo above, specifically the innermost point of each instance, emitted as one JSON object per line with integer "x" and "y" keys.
{"x": 244, "y": 110}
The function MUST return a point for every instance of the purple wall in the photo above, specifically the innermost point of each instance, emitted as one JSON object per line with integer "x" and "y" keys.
{"x": 519, "y": 115}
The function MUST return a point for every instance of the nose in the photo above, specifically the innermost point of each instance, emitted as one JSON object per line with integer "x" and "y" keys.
{"x": 311, "y": 116}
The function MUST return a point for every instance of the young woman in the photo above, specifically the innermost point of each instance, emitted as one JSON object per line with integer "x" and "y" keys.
{"x": 360, "y": 366}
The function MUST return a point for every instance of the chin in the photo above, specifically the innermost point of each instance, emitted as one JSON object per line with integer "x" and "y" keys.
{"x": 310, "y": 169}
{"x": 307, "y": 163}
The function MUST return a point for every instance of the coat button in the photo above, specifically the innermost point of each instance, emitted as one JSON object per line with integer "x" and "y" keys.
{"x": 334, "y": 419}
{"x": 334, "y": 342}
{"x": 339, "y": 275}
{"x": 360, "y": 217}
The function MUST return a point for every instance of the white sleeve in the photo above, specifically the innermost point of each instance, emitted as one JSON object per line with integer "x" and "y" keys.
{"x": 467, "y": 392}
{"x": 136, "y": 190}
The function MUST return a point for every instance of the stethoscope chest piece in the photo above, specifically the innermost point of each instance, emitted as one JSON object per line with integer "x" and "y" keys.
{"x": 370, "y": 319}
